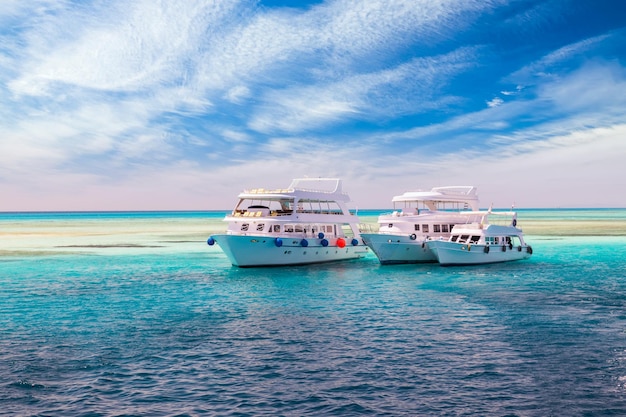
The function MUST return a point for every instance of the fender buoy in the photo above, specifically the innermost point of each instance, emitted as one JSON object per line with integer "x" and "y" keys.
{"x": 355, "y": 242}
{"x": 320, "y": 235}
{"x": 503, "y": 248}
{"x": 278, "y": 242}
{"x": 519, "y": 248}
{"x": 486, "y": 250}
{"x": 324, "y": 242}
{"x": 210, "y": 241}
{"x": 529, "y": 250}
{"x": 514, "y": 222}
{"x": 341, "y": 243}
{"x": 304, "y": 243}
{"x": 413, "y": 236}
{"x": 511, "y": 246}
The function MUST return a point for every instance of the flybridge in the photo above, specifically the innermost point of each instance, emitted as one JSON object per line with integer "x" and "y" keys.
{"x": 327, "y": 185}
{"x": 302, "y": 190}
{"x": 441, "y": 198}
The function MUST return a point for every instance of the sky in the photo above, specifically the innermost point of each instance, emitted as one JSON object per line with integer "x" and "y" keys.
{"x": 181, "y": 105}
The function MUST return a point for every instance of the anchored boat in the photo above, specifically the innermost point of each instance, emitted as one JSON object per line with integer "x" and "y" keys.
{"x": 305, "y": 223}
{"x": 419, "y": 216}
{"x": 482, "y": 243}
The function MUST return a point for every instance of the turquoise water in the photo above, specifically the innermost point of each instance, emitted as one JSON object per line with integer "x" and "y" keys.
{"x": 133, "y": 314}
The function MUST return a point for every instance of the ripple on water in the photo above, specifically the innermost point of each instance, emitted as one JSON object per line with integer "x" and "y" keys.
{"x": 183, "y": 333}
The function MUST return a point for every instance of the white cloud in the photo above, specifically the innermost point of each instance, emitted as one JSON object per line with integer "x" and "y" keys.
{"x": 122, "y": 47}
{"x": 236, "y": 136}
{"x": 362, "y": 95}
{"x": 495, "y": 102}
{"x": 597, "y": 86}
{"x": 546, "y": 64}
{"x": 161, "y": 102}
{"x": 238, "y": 94}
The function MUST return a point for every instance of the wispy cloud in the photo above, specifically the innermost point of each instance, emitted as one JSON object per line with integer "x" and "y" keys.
{"x": 110, "y": 97}
{"x": 365, "y": 96}
{"x": 549, "y": 63}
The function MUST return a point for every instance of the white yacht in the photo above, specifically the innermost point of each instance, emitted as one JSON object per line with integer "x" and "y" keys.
{"x": 417, "y": 217}
{"x": 481, "y": 242}
{"x": 308, "y": 222}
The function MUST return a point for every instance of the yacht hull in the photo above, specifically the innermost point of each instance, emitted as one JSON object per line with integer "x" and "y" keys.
{"x": 452, "y": 253}
{"x": 398, "y": 249}
{"x": 252, "y": 251}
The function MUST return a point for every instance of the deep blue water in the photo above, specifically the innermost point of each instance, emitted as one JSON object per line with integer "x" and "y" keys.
{"x": 178, "y": 331}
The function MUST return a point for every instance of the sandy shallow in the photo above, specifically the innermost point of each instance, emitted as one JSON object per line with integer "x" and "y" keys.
{"x": 63, "y": 237}
{"x": 50, "y": 237}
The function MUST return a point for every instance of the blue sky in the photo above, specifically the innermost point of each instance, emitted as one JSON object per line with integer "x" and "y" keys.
{"x": 149, "y": 105}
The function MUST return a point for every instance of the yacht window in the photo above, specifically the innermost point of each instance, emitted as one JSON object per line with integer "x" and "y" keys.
{"x": 417, "y": 227}
{"x": 454, "y": 238}
{"x": 463, "y": 238}
{"x": 444, "y": 228}
{"x": 496, "y": 240}
{"x": 288, "y": 228}
{"x": 329, "y": 229}
{"x": 244, "y": 227}
{"x": 475, "y": 239}
{"x": 436, "y": 228}
{"x": 277, "y": 228}
{"x": 451, "y": 226}
{"x": 425, "y": 228}
{"x": 298, "y": 228}
{"x": 260, "y": 227}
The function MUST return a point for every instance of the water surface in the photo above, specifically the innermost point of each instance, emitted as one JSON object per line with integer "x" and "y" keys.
{"x": 133, "y": 314}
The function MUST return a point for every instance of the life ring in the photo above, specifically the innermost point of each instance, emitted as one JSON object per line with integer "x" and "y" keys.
{"x": 341, "y": 243}
{"x": 486, "y": 250}
{"x": 413, "y": 236}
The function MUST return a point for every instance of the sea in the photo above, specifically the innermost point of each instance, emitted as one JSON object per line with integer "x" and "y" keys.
{"x": 133, "y": 314}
